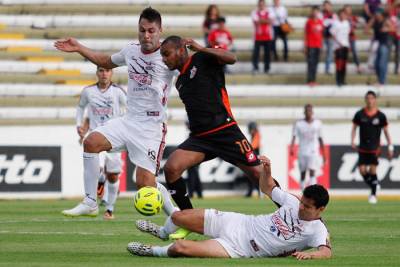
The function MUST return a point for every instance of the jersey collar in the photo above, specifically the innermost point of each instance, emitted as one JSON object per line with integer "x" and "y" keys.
{"x": 186, "y": 65}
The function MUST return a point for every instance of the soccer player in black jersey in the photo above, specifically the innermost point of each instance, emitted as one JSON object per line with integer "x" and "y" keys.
{"x": 371, "y": 122}
{"x": 213, "y": 130}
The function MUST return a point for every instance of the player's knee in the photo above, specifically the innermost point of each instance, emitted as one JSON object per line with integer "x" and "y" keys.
{"x": 90, "y": 145}
{"x": 112, "y": 177}
{"x": 176, "y": 217}
{"x": 171, "y": 170}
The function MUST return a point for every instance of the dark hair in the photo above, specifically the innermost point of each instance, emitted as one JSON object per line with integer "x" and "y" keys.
{"x": 370, "y": 93}
{"x": 314, "y": 8}
{"x": 221, "y": 19}
{"x": 173, "y": 39}
{"x": 208, "y": 11}
{"x": 306, "y": 106}
{"x": 252, "y": 126}
{"x": 151, "y": 15}
{"x": 318, "y": 193}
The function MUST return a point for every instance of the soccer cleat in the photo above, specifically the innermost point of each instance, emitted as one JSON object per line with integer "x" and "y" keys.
{"x": 100, "y": 189}
{"x": 149, "y": 227}
{"x": 372, "y": 199}
{"x": 139, "y": 249}
{"x": 108, "y": 215}
{"x": 181, "y": 233}
{"x": 81, "y": 209}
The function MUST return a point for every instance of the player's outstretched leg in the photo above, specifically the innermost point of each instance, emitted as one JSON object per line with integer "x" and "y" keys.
{"x": 93, "y": 145}
{"x": 152, "y": 228}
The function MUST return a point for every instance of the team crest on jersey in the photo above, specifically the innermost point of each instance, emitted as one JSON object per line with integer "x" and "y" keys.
{"x": 251, "y": 157}
{"x": 193, "y": 72}
{"x": 375, "y": 121}
{"x": 140, "y": 78}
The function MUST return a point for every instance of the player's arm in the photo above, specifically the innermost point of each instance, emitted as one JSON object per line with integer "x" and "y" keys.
{"x": 293, "y": 139}
{"x": 322, "y": 147}
{"x": 72, "y": 45}
{"x": 353, "y": 135}
{"x": 267, "y": 182}
{"x": 223, "y": 56}
{"x": 323, "y": 252}
{"x": 389, "y": 142}
{"x": 80, "y": 111}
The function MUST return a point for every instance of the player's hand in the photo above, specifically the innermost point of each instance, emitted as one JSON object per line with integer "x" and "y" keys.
{"x": 353, "y": 146}
{"x": 81, "y": 131}
{"x": 266, "y": 162}
{"x": 193, "y": 45}
{"x": 301, "y": 255}
{"x": 67, "y": 45}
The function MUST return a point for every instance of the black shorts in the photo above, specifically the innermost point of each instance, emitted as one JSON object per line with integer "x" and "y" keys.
{"x": 229, "y": 144}
{"x": 367, "y": 159}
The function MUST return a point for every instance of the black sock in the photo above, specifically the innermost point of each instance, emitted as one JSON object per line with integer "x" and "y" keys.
{"x": 367, "y": 179}
{"x": 374, "y": 183}
{"x": 179, "y": 194}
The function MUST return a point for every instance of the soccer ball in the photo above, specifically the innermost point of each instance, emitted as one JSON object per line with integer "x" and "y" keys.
{"x": 148, "y": 201}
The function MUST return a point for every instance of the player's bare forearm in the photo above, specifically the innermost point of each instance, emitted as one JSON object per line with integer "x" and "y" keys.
{"x": 223, "y": 56}
{"x": 353, "y": 135}
{"x": 98, "y": 58}
{"x": 267, "y": 182}
{"x": 322, "y": 253}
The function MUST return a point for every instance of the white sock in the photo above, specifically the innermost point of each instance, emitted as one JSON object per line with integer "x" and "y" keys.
{"x": 161, "y": 251}
{"x": 91, "y": 172}
{"x": 302, "y": 182}
{"x": 313, "y": 180}
{"x": 102, "y": 177}
{"x": 112, "y": 194}
{"x": 168, "y": 205}
{"x": 105, "y": 193}
{"x": 168, "y": 228}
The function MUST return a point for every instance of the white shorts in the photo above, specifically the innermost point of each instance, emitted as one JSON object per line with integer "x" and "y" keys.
{"x": 308, "y": 162}
{"x": 111, "y": 161}
{"x": 144, "y": 141}
{"x": 230, "y": 230}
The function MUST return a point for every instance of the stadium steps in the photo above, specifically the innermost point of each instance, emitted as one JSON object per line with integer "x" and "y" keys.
{"x": 125, "y": 32}
{"x": 49, "y": 9}
{"x": 285, "y": 79}
{"x": 175, "y": 102}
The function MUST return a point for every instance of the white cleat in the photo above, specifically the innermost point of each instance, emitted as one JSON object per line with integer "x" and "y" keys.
{"x": 372, "y": 199}
{"x": 139, "y": 249}
{"x": 151, "y": 228}
{"x": 82, "y": 209}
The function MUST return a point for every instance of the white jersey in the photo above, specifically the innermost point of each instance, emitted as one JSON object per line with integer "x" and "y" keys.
{"x": 149, "y": 83}
{"x": 340, "y": 30}
{"x": 101, "y": 105}
{"x": 283, "y": 232}
{"x": 308, "y": 134}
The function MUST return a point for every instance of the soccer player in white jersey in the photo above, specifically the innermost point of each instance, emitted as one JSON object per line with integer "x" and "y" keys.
{"x": 142, "y": 130}
{"x": 309, "y": 133}
{"x": 296, "y": 226}
{"x": 103, "y": 100}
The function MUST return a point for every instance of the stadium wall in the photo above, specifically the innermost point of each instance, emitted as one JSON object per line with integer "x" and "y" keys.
{"x": 46, "y": 162}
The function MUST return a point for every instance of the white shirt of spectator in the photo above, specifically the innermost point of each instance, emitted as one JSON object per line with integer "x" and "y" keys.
{"x": 340, "y": 30}
{"x": 101, "y": 106}
{"x": 149, "y": 83}
{"x": 283, "y": 232}
{"x": 278, "y": 15}
{"x": 308, "y": 134}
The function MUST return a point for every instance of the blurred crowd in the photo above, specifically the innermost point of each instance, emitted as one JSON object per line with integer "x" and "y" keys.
{"x": 328, "y": 31}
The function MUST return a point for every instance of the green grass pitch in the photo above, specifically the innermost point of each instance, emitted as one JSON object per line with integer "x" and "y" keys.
{"x": 34, "y": 233}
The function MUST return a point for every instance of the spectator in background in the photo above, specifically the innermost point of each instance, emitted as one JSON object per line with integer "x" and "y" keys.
{"x": 220, "y": 37}
{"x": 393, "y": 7}
{"x": 340, "y": 32}
{"x": 328, "y": 17}
{"x": 279, "y": 16}
{"x": 370, "y": 7}
{"x": 210, "y": 21}
{"x": 255, "y": 139}
{"x": 263, "y": 35}
{"x": 382, "y": 27}
{"x": 354, "y": 22}
{"x": 313, "y": 44}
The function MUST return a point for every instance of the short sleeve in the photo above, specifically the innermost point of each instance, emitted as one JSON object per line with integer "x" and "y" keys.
{"x": 383, "y": 120}
{"x": 320, "y": 237}
{"x": 356, "y": 119}
{"x": 283, "y": 198}
{"x": 119, "y": 57}
{"x": 83, "y": 100}
{"x": 210, "y": 61}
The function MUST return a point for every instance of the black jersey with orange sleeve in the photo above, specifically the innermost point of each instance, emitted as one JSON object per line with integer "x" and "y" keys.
{"x": 201, "y": 86}
{"x": 370, "y": 129}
